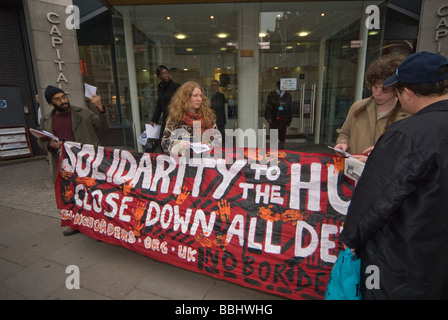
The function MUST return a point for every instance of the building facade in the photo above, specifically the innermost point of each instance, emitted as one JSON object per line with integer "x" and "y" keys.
{"x": 318, "y": 50}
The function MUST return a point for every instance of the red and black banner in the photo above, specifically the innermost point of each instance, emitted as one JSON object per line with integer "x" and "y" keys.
{"x": 266, "y": 221}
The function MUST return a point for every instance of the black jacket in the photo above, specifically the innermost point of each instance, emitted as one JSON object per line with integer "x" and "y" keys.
{"x": 398, "y": 216}
{"x": 218, "y": 102}
{"x": 164, "y": 94}
{"x": 278, "y": 107}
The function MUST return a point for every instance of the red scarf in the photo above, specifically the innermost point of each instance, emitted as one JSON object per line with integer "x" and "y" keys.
{"x": 189, "y": 118}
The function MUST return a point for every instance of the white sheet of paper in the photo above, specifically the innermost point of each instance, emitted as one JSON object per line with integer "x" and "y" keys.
{"x": 199, "y": 147}
{"x": 89, "y": 90}
{"x": 153, "y": 132}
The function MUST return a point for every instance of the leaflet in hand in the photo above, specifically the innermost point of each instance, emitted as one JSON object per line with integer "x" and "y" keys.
{"x": 90, "y": 91}
{"x": 153, "y": 132}
{"x": 353, "y": 168}
{"x": 198, "y": 147}
{"x": 45, "y": 135}
{"x": 341, "y": 151}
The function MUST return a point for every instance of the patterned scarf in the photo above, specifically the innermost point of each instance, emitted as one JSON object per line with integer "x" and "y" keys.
{"x": 189, "y": 118}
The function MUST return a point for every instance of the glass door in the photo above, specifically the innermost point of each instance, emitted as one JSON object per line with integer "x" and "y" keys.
{"x": 295, "y": 41}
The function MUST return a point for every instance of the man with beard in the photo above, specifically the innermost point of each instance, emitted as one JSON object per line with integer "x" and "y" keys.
{"x": 69, "y": 123}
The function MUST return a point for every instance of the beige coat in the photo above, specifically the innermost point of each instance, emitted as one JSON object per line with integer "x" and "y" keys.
{"x": 363, "y": 131}
{"x": 85, "y": 123}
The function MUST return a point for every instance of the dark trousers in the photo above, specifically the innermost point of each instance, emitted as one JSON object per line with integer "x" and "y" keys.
{"x": 281, "y": 125}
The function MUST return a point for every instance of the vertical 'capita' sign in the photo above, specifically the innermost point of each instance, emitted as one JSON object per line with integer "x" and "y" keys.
{"x": 56, "y": 43}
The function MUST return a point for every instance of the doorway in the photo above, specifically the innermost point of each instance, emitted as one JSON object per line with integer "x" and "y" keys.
{"x": 11, "y": 108}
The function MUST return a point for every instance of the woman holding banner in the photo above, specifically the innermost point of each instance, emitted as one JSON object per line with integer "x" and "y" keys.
{"x": 191, "y": 121}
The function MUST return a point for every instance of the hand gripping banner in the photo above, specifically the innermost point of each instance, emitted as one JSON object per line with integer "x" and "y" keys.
{"x": 265, "y": 221}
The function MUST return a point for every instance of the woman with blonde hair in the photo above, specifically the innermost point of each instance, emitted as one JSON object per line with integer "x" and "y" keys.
{"x": 190, "y": 119}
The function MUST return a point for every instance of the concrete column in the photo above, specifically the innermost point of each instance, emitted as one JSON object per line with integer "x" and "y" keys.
{"x": 127, "y": 25}
{"x": 320, "y": 85}
{"x": 54, "y": 48}
{"x": 363, "y": 36}
{"x": 248, "y": 68}
{"x": 433, "y": 30}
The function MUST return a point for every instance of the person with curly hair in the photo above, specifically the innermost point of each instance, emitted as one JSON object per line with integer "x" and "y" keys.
{"x": 397, "y": 220}
{"x": 369, "y": 118}
{"x": 190, "y": 119}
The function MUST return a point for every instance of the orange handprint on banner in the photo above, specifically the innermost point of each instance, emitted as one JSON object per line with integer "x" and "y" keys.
{"x": 268, "y": 157}
{"x": 220, "y": 241}
{"x": 181, "y": 197}
{"x": 339, "y": 164}
{"x": 224, "y": 209}
{"x": 293, "y": 216}
{"x": 66, "y": 175}
{"x": 267, "y": 214}
{"x": 203, "y": 240}
{"x": 271, "y": 156}
{"x": 68, "y": 193}
{"x": 88, "y": 182}
{"x": 138, "y": 214}
{"x": 127, "y": 186}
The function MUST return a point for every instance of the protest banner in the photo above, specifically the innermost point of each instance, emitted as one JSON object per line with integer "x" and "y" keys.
{"x": 265, "y": 221}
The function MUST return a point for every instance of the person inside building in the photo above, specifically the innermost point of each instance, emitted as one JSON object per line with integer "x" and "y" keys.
{"x": 190, "y": 110}
{"x": 397, "y": 220}
{"x": 218, "y": 101}
{"x": 278, "y": 112}
{"x": 70, "y": 123}
{"x": 367, "y": 119}
{"x": 165, "y": 92}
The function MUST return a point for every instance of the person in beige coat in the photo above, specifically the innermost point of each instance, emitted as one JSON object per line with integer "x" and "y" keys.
{"x": 70, "y": 123}
{"x": 369, "y": 118}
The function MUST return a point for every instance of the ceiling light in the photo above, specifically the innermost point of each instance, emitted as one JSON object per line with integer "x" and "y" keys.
{"x": 180, "y": 36}
{"x": 168, "y": 18}
{"x": 212, "y": 17}
{"x": 189, "y": 49}
{"x": 262, "y": 34}
{"x": 303, "y": 33}
{"x": 222, "y": 35}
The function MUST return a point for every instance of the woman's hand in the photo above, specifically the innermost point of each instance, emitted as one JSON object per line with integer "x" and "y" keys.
{"x": 368, "y": 150}
{"x": 365, "y": 154}
{"x": 343, "y": 147}
{"x": 184, "y": 147}
{"x": 360, "y": 157}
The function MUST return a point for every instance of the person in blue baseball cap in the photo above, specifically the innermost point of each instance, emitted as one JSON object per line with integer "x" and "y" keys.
{"x": 397, "y": 220}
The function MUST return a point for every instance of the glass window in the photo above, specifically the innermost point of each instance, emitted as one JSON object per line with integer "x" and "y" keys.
{"x": 307, "y": 46}
{"x": 196, "y": 42}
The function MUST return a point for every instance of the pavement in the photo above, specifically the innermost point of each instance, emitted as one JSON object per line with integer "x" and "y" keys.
{"x": 34, "y": 254}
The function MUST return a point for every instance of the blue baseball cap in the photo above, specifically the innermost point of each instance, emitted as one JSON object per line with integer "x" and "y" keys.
{"x": 419, "y": 67}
